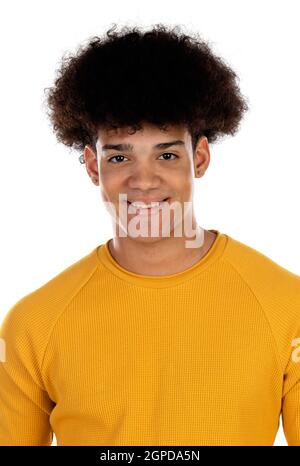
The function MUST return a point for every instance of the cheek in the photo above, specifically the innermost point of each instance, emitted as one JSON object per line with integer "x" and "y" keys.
{"x": 110, "y": 183}
{"x": 183, "y": 185}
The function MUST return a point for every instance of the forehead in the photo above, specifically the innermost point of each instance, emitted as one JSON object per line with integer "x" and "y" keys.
{"x": 148, "y": 132}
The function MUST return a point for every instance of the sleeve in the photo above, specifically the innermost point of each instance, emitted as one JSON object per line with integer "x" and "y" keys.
{"x": 291, "y": 396}
{"x": 25, "y": 406}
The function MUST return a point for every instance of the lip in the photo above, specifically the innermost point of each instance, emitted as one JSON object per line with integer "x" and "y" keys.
{"x": 147, "y": 201}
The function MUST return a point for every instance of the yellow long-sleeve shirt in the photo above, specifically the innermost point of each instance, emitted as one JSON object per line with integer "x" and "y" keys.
{"x": 100, "y": 355}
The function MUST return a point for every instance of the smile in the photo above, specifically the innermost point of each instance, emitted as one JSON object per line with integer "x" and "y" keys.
{"x": 143, "y": 208}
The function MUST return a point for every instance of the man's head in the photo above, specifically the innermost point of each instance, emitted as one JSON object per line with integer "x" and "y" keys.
{"x": 150, "y": 165}
{"x": 161, "y": 84}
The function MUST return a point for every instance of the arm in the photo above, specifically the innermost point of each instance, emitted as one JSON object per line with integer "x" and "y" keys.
{"x": 25, "y": 406}
{"x": 291, "y": 397}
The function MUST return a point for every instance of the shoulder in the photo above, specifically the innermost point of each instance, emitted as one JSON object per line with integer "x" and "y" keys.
{"x": 276, "y": 288}
{"x": 261, "y": 271}
{"x": 27, "y": 325}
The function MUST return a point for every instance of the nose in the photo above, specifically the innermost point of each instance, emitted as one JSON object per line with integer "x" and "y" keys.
{"x": 143, "y": 178}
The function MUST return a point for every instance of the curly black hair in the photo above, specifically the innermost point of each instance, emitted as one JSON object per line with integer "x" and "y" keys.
{"x": 160, "y": 76}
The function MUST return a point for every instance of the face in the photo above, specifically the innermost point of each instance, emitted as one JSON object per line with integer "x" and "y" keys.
{"x": 147, "y": 166}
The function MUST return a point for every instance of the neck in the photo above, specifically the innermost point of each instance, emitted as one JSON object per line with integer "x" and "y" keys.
{"x": 161, "y": 255}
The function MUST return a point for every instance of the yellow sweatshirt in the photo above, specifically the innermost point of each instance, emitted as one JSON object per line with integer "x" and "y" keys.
{"x": 100, "y": 355}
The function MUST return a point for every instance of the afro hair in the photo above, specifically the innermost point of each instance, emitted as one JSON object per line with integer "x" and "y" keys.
{"x": 160, "y": 76}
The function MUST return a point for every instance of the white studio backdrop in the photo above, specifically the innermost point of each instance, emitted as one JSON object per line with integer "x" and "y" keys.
{"x": 51, "y": 212}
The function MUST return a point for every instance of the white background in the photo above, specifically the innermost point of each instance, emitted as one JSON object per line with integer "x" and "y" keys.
{"x": 52, "y": 214}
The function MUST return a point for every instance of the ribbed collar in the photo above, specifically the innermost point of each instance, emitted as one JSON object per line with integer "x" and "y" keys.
{"x": 162, "y": 281}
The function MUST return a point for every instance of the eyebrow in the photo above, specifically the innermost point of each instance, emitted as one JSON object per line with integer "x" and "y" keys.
{"x": 129, "y": 147}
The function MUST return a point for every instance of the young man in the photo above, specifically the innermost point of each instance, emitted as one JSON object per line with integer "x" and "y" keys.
{"x": 182, "y": 337}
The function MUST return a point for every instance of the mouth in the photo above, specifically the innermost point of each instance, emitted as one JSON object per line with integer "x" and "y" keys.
{"x": 149, "y": 205}
{"x": 153, "y": 206}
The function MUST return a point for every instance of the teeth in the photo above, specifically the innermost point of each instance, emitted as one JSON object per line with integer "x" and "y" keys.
{"x": 142, "y": 205}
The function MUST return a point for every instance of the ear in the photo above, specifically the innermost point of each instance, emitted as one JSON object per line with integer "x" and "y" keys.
{"x": 201, "y": 157}
{"x": 91, "y": 163}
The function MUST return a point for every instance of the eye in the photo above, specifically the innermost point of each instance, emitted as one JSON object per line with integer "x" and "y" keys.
{"x": 169, "y": 153}
{"x": 114, "y": 157}
{"x": 119, "y": 155}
